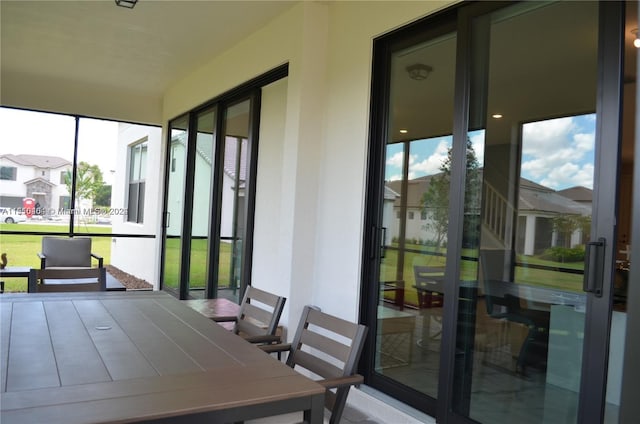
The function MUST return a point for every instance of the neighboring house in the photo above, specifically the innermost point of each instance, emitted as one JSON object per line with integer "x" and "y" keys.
{"x": 537, "y": 207}
{"x": 34, "y": 176}
{"x": 233, "y": 158}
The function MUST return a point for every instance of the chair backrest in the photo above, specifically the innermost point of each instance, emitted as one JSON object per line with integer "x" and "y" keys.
{"x": 259, "y": 313}
{"x": 67, "y": 251}
{"x": 425, "y": 278}
{"x": 330, "y": 348}
{"x": 68, "y": 280}
{"x": 495, "y": 269}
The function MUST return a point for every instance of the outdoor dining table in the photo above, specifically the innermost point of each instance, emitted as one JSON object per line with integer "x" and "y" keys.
{"x": 136, "y": 357}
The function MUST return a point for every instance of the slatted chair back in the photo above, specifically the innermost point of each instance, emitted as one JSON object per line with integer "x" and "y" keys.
{"x": 330, "y": 348}
{"x": 259, "y": 314}
{"x": 67, "y": 280}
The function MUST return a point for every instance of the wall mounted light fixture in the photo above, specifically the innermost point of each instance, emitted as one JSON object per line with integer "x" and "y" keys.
{"x": 636, "y": 40}
{"x": 126, "y": 3}
{"x": 419, "y": 71}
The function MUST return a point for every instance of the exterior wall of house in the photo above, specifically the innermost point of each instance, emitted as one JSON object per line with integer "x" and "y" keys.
{"x": 311, "y": 180}
{"x": 143, "y": 265}
{"x": 18, "y": 189}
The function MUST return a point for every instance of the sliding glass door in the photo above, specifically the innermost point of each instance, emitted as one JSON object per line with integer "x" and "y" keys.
{"x": 492, "y": 188}
{"x": 210, "y": 194}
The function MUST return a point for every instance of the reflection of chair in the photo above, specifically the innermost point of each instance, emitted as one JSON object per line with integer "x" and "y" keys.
{"x": 501, "y": 304}
{"x": 79, "y": 279}
{"x": 330, "y": 348}
{"x": 397, "y": 288}
{"x": 258, "y": 317}
{"x": 67, "y": 252}
{"x": 430, "y": 285}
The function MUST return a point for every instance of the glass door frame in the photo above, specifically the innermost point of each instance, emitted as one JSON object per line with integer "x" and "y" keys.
{"x": 599, "y": 309}
{"x": 442, "y": 23}
{"x": 250, "y": 90}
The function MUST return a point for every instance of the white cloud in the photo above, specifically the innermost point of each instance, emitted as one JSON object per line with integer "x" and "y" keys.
{"x": 477, "y": 141}
{"x": 396, "y": 160}
{"x": 430, "y": 165}
{"x": 556, "y": 154}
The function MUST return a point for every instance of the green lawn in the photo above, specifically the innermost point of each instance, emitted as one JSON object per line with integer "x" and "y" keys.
{"x": 22, "y": 250}
{"x": 197, "y": 273}
{"x": 469, "y": 269}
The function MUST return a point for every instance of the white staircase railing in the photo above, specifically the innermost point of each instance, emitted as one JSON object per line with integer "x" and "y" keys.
{"x": 498, "y": 215}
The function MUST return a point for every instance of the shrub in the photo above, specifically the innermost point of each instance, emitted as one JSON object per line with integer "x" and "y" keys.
{"x": 564, "y": 254}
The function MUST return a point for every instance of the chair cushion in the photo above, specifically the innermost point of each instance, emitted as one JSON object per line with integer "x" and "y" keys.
{"x": 67, "y": 252}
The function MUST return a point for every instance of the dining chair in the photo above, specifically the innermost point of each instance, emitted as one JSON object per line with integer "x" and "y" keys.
{"x": 328, "y": 347}
{"x": 494, "y": 265}
{"x": 67, "y": 280}
{"x": 258, "y": 316}
{"x": 430, "y": 285}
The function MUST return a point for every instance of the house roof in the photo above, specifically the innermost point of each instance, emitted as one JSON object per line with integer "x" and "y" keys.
{"x": 532, "y": 196}
{"x": 205, "y": 151}
{"x": 578, "y": 194}
{"x": 39, "y": 180}
{"x": 39, "y": 161}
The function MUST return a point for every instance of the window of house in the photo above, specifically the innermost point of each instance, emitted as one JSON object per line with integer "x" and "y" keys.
{"x": 8, "y": 173}
{"x": 137, "y": 172}
{"x": 410, "y": 215}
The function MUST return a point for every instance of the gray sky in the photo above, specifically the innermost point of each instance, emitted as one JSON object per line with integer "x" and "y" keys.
{"x": 26, "y": 132}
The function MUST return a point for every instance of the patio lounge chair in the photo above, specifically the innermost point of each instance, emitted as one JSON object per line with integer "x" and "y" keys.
{"x": 67, "y": 252}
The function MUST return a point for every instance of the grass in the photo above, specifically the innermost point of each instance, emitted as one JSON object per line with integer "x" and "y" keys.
{"x": 424, "y": 256}
{"x": 23, "y": 249}
{"x": 198, "y": 270}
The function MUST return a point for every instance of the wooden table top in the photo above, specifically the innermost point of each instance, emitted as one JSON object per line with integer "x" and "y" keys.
{"x": 132, "y": 357}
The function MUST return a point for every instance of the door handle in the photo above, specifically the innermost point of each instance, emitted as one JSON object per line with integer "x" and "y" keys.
{"x": 167, "y": 218}
{"x": 383, "y": 236}
{"x": 594, "y": 267}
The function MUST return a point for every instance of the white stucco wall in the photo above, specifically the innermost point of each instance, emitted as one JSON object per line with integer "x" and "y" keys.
{"x": 143, "y": 264}
{"x": 312, "y": 180}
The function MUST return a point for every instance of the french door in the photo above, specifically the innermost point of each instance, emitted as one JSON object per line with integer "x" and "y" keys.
{"x": 495, "y": 156}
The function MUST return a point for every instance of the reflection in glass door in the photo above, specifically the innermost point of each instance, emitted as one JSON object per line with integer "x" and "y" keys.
{"x": 533, "y": 104}
{"x": 201, "y": 215}
{"x": 233, "y": 182}
{"x": 174, "y": 207}
{"x": 414, "y": 223}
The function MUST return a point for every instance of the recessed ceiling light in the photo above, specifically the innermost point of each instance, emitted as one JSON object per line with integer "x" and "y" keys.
{"x": 404, "y": 131}
{"x": 496, "y": 115}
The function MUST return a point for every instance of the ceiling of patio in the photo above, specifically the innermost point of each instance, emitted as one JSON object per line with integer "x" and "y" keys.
{"x": 141, "y": 50}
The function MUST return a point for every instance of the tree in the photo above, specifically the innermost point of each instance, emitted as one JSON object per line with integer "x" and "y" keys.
{"x": 435, "y": 201}
{"x": 565, "y": 225}
{"x": 103, "y": 198}
{"x": 89, "y": 181}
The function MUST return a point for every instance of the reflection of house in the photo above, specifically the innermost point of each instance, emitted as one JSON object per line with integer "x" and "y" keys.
{"x": 35, "y": 176}
{"x": 233, "y": 158}
{"x": 130, "y": 136}
{"x": 537, "y": 207}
